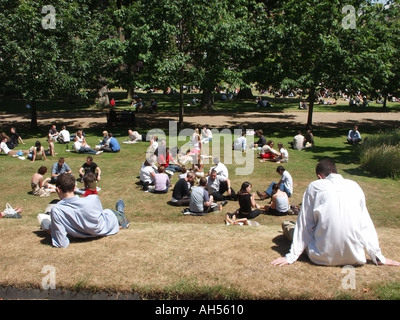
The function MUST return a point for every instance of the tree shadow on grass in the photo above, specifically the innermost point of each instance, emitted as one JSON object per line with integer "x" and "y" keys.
{"x": 362, "y": 173}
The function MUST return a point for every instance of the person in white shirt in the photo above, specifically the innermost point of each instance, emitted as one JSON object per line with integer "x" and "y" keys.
{"x": 4, "y": 147}
{"x": 298, "y": 141}
{"x": 284, "y": 157}
{"x": 147, "y": 174}
{"x": 268, "y": 153}
{"x": 354, "y": 136}
{"x": 217, "y": 186}
{"x": 333, "y": 225}
{"x": 64, "y": 135}
{"x": 240, "y": 143}
{"x": 220, "y": 168}
{"x": 285, "y": 184}
{"x": 206, "y": 134}
{"x": 53, "y": 132}
{"x": 7, "y": 151}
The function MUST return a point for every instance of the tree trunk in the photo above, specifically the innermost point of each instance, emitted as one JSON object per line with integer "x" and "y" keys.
{"x": 181, "y": 107}
{"x": 245, "y": 93}
{"x": 104, "y": 100}
{"x": 311, "y": 98}
{"x": 33, "y": 111}
{"x": 384, "y": 101}
{"x": 130, "y": 92}
{"x": 207, "y": 99}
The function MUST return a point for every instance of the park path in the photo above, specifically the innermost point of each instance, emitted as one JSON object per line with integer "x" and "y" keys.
{"x": 87, "y": 119}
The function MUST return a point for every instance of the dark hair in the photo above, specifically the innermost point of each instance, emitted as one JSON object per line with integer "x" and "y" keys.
{"x": 203, "y": 181}
{"x": 42, "y": 170}
{"x": 190, "y": 174}
{"x": 275, "y": 187}
{"x": 280, "y": 168}
{"x": 161, "y": 169}
{"x": 38, "y": 145}
{"x": 243, "y": 188}
{"x": 89, "y": 180}
{"x": 66, "y": 182}
{"x": 326, "y": 166}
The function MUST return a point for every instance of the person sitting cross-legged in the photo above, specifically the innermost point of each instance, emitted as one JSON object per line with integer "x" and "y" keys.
{"x": 201, "y": 202}
{"x": 113, "y": 145}
{"x": 161, "y": 181}
{"x": 181, "y": 191}
{"x": 354, "y": 136}
{"x": 217, "y": 187}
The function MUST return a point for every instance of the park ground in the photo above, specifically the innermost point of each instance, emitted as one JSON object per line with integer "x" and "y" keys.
{"x": 164, "y": 255}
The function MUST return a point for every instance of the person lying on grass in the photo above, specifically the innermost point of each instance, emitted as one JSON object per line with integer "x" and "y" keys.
{"x": 82, "y": 217}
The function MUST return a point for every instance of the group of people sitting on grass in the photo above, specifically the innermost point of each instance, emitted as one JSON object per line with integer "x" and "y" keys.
{"x": 89, "y": 174}
{"x": 325, "y": 210}
{"x": 201, "y": 194}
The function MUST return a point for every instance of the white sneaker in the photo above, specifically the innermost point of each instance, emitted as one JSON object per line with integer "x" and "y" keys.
{"x": 21, "y": 158}
{"x": 99, "y": 152}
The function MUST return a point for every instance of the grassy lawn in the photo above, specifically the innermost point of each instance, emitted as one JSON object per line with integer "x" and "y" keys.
{"x": 167, "y": 255}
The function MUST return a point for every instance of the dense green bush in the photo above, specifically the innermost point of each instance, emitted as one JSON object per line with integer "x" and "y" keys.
{"x": 380, "y": 154}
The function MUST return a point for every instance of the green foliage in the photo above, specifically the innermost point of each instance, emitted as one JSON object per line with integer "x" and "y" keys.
{"x": 212, "y": 45}
{"x": 380, "y": 154}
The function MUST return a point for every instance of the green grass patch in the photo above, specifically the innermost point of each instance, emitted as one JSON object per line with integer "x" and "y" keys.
{"x": 380, "y": 154}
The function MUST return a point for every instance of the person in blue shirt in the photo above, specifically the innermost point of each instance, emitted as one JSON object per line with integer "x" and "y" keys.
{"x": 58, "y": 168}
{"x": 113, "y": 145}
{"x": 82, "y": 217}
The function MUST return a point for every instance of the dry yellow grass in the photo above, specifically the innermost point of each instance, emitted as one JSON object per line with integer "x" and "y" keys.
{"x": 150, "y": 257}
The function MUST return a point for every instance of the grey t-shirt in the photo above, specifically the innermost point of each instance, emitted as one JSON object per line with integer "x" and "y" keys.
{"x": 198, "y": 196}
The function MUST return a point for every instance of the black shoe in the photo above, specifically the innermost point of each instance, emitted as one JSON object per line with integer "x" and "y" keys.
{"x": 224, "y": 203}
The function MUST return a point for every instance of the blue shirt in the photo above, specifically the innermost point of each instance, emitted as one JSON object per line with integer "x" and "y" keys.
{"x": 56, "y": 169}
{"x": 114, "y": 145}
{"x": 81, "y": 218}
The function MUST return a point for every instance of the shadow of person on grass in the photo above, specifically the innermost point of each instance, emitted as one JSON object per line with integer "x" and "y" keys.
{"x": 46, "y": 238}
{"x": 282, "y": 246}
